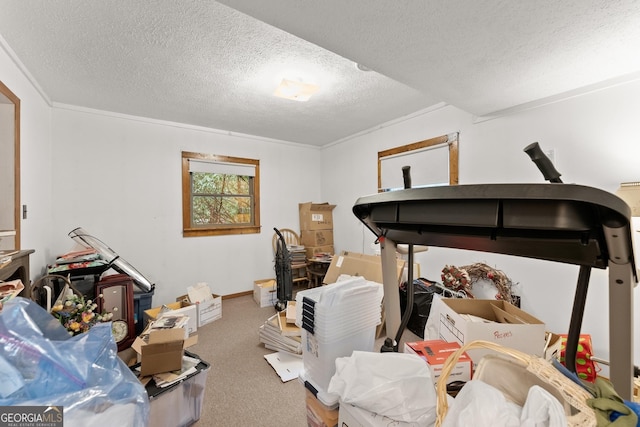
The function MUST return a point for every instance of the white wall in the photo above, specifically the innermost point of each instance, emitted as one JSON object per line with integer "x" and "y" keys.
{"x": 596, "y": 142}
{"x": 35, "y": 161}
{"x": 119, "y": 178}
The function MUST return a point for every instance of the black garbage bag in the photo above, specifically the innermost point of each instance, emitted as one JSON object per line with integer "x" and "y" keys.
{"x": 423, "y": 291}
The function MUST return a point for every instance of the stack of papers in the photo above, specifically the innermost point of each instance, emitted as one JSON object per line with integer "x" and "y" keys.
{"x": 278, "y": 335}
{"x": 168, "y": 320}
{"x": 165, "y": 379}
{"x": 199, "y": 293}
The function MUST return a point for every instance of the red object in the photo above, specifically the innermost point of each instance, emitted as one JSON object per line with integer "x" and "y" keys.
{"x": 586, "y": 368}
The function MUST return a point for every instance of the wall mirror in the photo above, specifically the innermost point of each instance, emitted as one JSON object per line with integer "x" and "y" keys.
{"x": 9, "y": 170}
{"x": 433, "y": 162}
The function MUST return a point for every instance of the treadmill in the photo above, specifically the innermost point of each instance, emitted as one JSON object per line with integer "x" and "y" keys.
{"x": 566, "y": 223}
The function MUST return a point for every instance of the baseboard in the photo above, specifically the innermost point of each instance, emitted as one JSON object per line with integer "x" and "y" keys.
{"x": 239, "y": 294}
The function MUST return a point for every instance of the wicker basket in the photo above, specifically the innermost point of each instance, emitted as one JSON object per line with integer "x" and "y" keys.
{"x": 37, "y": 290}
{"x": 513, "y": 373}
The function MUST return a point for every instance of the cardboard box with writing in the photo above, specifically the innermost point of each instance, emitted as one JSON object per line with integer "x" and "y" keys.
{"x": 208, "y": 305}
{"x": 265, "y": 292}
{"x": 316, "y": 237}
{"x": 435, "y": 353}
{"x": 463, "y": 320}
{"x": 316, "y": 216}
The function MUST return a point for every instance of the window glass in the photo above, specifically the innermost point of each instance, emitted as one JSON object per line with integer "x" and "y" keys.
{"x": 220, "y": 195}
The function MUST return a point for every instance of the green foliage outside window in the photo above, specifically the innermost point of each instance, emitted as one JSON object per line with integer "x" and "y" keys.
{"x": 221, "y": 199}
{"x": 220, "y": 195}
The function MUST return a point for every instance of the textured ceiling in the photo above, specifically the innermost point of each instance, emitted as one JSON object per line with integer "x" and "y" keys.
{"x": 216, "y": 64}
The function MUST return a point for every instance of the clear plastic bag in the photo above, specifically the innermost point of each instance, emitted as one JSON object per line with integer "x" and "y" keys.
{"x": 42, "y": 365}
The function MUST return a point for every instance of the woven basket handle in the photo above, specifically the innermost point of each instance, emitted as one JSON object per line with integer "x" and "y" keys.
{"x": 43, "y": 280}
{"x": 449, "y": 364}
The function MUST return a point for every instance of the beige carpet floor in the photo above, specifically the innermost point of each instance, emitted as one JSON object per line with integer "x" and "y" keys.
{"x": 242, "y": 389}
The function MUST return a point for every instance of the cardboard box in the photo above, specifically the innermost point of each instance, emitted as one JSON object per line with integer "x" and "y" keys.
{"x": 178, "y": 307}
{"x": 161, "y": 350}
{"x": 208, "y": 305}
{"x": 265, "y": 292}
{"x": 316, "y": 237}
{"x": 355, "y": 264}
{"x": 435, "y": 353}
{"x": 316, "y": 216}
{"x": 311, "y": 251}
{"x": 318, "y": 414}
{"x": 460, "y": 320}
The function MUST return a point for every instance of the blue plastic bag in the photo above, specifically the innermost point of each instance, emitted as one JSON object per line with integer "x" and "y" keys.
{"x": 42, "y": 365}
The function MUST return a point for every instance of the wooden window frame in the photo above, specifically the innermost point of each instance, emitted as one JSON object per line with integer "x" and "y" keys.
{"x": 187, "y": 229}
{"x": 451, "y": 140}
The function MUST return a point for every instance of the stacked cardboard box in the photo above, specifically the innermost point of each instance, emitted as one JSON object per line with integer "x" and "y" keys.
{"x": 316, "y": 227}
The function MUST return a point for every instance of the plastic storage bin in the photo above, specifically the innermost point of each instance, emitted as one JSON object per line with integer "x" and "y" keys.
{"x": 335, "y": 321}
{"x": 141, "y": 301}
{"x": 180, "y": 404}
{"x": 319, "y": 356}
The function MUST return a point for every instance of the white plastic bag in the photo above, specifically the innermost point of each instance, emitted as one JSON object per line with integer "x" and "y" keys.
{"x": 396, "y": 385}
{"x": 432, "y": 326}
{"x": 482, "y": 405}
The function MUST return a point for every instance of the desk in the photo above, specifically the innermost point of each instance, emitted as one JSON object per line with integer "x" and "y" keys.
{"x": 18, "y": 268}
{"x": 316, "y": 270}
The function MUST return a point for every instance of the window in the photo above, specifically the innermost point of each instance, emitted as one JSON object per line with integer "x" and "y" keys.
{"x": 220, "y": 195}
{"x": 433, "y": 162}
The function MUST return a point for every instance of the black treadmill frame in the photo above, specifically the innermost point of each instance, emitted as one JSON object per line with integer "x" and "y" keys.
{"x": 565, "y": 223}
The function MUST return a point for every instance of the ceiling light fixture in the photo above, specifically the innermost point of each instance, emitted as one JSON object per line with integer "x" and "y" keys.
{"x": 362, "y": 67}
{"x": 296, "y": 91}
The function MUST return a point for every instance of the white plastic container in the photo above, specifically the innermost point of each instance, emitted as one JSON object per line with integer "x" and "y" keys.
{"x": 319, "y": 355}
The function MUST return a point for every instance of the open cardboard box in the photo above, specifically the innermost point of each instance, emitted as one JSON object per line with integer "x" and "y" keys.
{"x": 463, "y": 320}
{"x": 208, "y": 305}
{"x": 316, "y": 216}
{"x": 178, "y": 308}
{"x": 161, "y": 350}
{"x": 265, "y": 292}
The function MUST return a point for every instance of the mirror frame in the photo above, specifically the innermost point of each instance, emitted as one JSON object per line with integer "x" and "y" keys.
{"x": 4, "y": 90}
{"x": 451, "y": 140}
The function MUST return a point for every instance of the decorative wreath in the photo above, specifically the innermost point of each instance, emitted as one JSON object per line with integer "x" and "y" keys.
{"x": 461, "y": 279}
